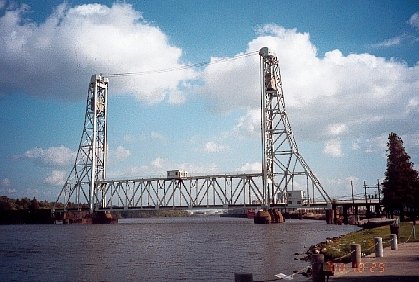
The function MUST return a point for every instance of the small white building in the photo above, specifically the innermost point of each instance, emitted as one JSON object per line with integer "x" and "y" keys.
{"x": 177, "y": 174}
{"x": 295, "y": 198}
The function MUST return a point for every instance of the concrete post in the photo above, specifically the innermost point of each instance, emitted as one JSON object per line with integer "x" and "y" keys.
{"x": 393, "y": 241}
{"x": 317, "y": 274}
{"x": 378, "y": 247}
{"x": 355, "y": 255}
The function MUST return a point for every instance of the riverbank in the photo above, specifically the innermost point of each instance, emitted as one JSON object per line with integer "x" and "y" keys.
{"x": 338, "y": 249}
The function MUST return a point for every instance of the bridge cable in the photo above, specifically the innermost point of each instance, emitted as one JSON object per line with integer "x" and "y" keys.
{"x": 181, "y": 67}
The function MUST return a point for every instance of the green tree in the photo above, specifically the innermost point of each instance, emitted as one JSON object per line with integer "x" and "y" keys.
{"x": 400, "y": 187}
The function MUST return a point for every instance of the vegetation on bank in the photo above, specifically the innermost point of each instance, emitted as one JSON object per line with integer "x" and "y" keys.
{"x": 27, "y": 211}
{"x": 339, "y": 249}
{"x": 7, "y": 204}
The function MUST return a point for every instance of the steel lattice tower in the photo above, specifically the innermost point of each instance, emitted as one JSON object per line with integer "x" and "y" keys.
{"x": 90, "y": 163}
{"x": 282, "y": 164}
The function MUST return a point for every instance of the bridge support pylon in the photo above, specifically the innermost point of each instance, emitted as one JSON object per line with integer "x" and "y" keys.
{"x": 90, "y": 164}
{"x": 283, "y": 167}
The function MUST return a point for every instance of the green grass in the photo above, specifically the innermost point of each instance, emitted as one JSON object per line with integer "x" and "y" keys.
{"x": 337, "y": 249}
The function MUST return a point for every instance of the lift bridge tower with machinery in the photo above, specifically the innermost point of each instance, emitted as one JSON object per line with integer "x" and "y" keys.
{"x": 283, "y": 167}
{"x": 90, "y": 164}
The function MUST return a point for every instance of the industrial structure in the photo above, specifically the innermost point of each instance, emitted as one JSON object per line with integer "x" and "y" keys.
{"x": 283, "y": 167}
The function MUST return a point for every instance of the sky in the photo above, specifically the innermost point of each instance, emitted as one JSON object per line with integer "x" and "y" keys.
{"x": 350, "y": 75}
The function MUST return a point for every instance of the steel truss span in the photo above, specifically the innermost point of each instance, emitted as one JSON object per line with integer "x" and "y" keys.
{"x": 190, "y": 192}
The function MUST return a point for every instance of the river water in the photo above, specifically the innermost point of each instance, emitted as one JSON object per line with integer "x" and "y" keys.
{"x": 158, "y": 249}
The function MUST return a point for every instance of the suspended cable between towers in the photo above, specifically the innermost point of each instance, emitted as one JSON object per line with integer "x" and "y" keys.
{"x": 201, "y": 64}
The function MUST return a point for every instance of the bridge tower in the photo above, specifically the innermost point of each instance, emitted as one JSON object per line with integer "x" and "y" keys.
{"x": 283, "y": 167}
{"x": 90, "y": 164}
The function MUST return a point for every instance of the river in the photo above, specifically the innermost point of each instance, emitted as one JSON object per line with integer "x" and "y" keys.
{"x": 158, "y": 249}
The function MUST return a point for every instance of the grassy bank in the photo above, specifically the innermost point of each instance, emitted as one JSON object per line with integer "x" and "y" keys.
{"x": 339, "y": 249}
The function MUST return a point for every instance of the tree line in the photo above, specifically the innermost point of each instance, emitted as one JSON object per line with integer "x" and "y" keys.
{"x": 8, "y": 204}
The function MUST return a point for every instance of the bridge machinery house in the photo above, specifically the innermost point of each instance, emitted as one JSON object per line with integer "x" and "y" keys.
{"x": 177, "y": 174}
{"x": 293, "y": 199}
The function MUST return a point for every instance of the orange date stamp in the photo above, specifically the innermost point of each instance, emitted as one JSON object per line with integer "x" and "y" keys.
{"x": 363, "y": 267}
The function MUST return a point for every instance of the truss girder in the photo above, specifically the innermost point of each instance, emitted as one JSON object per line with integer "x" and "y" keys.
{"x": 191, "y": 192}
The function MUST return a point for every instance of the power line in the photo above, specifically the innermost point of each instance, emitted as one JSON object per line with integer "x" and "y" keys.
{"x": 201, "y": 64}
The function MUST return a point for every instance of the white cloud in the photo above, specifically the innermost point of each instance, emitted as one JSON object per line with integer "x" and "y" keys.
{"x": 376, "y": 144}
{"x": 83, "y": 40}
{"x": 414, "y": 20}
{"x": 413, "y": 105}
{"x": 5, "y": 182}
{"x": 56, "y": 177}
{"x": 159, "y": 166}
{"x": 250, "y": 167}
{"x": 337, "y": 129}
{"x": 156, "y": 136}
{"x": 326, "y": 96}
{"x": 158, "y": 163}
{"x": 394, "y": 41}
{"x": 121, "y": 153}
{"x": 333, "y": 148}
{"x": 213, "y": 147}
{"x": 356, "y": 144}
{"x": 52, "y": 156}
{"x": 249, "y": 124}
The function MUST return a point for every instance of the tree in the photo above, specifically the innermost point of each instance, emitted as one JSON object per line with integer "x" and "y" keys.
{"x": 34, "y": 205}
{"x": 400, "y": 187}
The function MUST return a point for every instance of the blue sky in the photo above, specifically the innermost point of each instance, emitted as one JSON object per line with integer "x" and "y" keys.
{"x": 349, "y": 68}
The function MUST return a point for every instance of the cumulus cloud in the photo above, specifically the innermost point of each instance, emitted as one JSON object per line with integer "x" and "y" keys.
{"x": 333, "y": 148}
{"x": 121, "y": 153}
{"x": 414, "y": 20}
{"x": 337, "y": 128}
{"x": 159, "y": 166}
{"x": 330, "y": 95}
{"x": 250, "y": 167}
{"x": 56, "y": 177}
{"x": 158, "y": 163}
{"x": 52, "y": 156}
{"x": 213, "y": 147}
{"x": 249, "y": 124}
{"x": 76, "y": 42}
